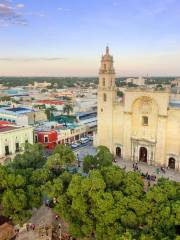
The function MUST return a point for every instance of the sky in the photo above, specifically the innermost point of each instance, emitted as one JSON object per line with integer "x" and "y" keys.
{"x": 68, "y": 37}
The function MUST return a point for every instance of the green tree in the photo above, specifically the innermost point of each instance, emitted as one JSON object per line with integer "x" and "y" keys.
{"x": 98, "y": 205}
{"x": 103, "y": 158}
{"x": 68, "y": 108}
{"x": 14, "y": 205}
{"x": 33, "y": 157}
{"x": 120, "y": 94}
{"x": 50, "y": 112}
{"x": 62, "y": 157}
{"x": 65, "y": 153}
{"x": 163, "y": 218}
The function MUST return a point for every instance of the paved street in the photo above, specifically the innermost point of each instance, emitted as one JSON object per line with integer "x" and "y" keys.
{"x": 86, "y": 150}
{"x": 171, "y": 174}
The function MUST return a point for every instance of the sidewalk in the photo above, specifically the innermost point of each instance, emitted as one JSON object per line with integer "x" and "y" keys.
{"x": 170, "y": 174}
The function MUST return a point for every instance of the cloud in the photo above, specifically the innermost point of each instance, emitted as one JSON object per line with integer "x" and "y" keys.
{"x": 31, "y": 59}
{"x": 20, "y": 5}
{"x": 9, "y": 15}
{"x": 64, "y": 9}
{"x": 36, "y": 14}
{"x": 159, "y": 7}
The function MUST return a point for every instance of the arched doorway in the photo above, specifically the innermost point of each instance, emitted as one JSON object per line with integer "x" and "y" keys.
{"x": 118, "y": 152}
{"x": 172, "y": 163}
{"x": 143, "y": 154}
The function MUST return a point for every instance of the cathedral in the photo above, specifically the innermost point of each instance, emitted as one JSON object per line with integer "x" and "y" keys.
{"x": 143, "y": 127}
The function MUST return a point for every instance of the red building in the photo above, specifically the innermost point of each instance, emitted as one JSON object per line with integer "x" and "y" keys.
{"x": 47, "y": 138}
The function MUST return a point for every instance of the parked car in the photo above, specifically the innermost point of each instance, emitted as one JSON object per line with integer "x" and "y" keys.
{"x": 84, "y": 140}
{"x": 75, "y": 145}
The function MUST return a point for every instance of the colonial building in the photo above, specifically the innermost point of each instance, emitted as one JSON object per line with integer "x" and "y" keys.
{"x": 144, "y": 127}
{"x": 140, "y": 81}
{"x": 12, "y": 140}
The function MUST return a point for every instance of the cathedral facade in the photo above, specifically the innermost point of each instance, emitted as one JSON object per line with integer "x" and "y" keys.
{"x": 143, "y": 127}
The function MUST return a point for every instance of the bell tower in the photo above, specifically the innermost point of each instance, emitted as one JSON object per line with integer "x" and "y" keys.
{"x": 106, "y": 99}
{"x": 107, "y": 72}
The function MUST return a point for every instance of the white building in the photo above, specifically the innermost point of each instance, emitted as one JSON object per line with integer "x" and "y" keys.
{"x": 12, "y": 140}
{"x": 137, "y": 81}
{"x": 22, "y": 116}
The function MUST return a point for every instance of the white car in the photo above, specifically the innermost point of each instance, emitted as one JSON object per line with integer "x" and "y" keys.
{"x": 84, "y": 140}
{"x": 75, "y": 145}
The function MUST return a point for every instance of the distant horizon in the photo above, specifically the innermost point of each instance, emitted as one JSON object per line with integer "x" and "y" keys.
{"x": 91, "y": 76}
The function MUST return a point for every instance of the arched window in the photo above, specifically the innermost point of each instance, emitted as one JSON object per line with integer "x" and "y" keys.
{"x": 145, "y": 121}
{"x": 105, "y": 97}
{"x": 103, "y": 82}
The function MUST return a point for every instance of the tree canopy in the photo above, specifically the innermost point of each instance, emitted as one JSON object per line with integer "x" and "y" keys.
{"x": 112, "y": 204}
{"x": 102, "y": 158}
{"x": 106, "y": 203}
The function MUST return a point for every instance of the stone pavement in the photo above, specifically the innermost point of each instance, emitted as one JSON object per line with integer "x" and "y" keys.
{"x": 143, "y": 167}
{"x": 171, "y": 174}
{"x": 42, "y": 217}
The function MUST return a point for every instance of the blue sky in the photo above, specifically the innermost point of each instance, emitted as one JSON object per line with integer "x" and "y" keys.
{"x": 67, "y": 37}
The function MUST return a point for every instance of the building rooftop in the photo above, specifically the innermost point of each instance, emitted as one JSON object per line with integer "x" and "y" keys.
{"x": 16, "y": 111}
{"x": 55, "y": 126}
{"x": 51, "y": 102}
{"x": 81, "y": 114}
{"x": 6, "y": 128}
{"x": 19, "y": 109}
{"x": 145, "y": 89}
{"x": 174, "y": 104}
{"x": 5, "y": 122}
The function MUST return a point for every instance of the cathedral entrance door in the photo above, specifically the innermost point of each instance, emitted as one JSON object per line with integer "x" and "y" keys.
{"x": 143, "y": 154}
{"x": 171, "y": 163}
{"x": 118, "y": 152}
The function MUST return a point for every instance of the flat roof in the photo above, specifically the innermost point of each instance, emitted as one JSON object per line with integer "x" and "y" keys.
{"x": 175, "y": 104}
{"x": 18, "y": 109}
{"x": 80, "y": 114}
{"x": 54, "y": 102}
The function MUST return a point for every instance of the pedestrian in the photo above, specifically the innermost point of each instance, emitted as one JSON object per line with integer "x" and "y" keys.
{"x": 46, "y": 228}
{"x": 33, "y": 227}
{"x": 78, "y": 159}
{"x": 17, "y": 232}
{"x": 47, "y": 203}
{"x": 57, "y": 217}
{"x": 27, "y": 227}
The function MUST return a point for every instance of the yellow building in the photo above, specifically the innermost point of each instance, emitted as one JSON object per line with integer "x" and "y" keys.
{"x": 12, "y": 140}
{"x": 144, "y": 127}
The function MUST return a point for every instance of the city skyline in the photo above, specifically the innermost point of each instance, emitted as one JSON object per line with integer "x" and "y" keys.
{"x": 67, "y": 38}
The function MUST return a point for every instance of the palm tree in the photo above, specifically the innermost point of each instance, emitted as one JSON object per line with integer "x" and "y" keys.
{"x": 53, "y": 108}
{"x": 68, "y": 108}
{"x": 49, "y": 112}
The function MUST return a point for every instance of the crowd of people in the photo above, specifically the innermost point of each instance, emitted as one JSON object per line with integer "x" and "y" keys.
{"x": 30, "y": 226}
